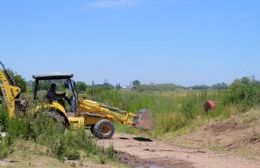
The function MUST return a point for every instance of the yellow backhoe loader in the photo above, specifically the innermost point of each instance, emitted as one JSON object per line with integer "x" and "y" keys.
{"x": 81, "y": 111}
{"x": 11, "y": 93}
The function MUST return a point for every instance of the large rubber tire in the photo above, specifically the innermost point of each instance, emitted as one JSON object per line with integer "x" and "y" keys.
{"x": 104, "y": 129}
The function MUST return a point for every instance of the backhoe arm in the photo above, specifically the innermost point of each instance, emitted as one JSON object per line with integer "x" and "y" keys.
{"x": 126, "y": 118}
{"x": 141, "y": 120}
{"x": 9, "y": 90}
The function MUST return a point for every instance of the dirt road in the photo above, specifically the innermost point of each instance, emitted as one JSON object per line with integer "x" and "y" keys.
{"x": 140, "y": 152}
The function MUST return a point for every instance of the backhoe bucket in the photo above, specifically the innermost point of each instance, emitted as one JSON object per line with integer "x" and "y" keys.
{"x": 144, "y": 120}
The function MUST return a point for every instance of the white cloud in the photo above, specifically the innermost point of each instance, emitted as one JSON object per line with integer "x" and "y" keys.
{"x": 111, "y": 3}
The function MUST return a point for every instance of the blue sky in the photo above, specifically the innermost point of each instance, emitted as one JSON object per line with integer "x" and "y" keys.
{"x": 186, "y": 42}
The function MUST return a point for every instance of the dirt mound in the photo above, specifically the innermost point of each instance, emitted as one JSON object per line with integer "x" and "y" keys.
{"x": 136, "y": 162}
{"x": 222, "y": 127}
{"x": 232, "y": 135}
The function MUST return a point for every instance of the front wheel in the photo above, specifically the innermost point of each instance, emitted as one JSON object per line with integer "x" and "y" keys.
{"x": 104, "y": 129}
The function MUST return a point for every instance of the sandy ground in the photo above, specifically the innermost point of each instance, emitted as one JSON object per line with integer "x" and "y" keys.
{"x": 137, "y": 152}
{"x": 40, "y": 161}
{"x": 140, "y": 152}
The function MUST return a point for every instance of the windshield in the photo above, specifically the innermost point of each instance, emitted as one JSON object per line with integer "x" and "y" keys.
{"x": 62, "y": 90}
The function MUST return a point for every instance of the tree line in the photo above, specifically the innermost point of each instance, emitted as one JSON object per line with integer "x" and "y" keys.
{"x": 136, "y": 85}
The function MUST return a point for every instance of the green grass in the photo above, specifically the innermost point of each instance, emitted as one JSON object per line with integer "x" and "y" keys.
{"x": 26, "y": 153}
{"x": 41, "y": 130}
{"x": 171, "y": 111}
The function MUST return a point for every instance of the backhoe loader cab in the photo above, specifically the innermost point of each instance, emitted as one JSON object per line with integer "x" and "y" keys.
{"x": 63, "y": 78}
{"x": 57, "y": 109}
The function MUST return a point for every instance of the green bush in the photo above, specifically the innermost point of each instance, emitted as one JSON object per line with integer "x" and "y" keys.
{"x": 3, "y": 118}
{"x": 63, "y": 145}
{"x": 6, "y": 141}
{"x": 71, "y": 143}
{"x": 242, "y": 94}
{"x": 45, "y": 131}
{"x": 4, "y": 147}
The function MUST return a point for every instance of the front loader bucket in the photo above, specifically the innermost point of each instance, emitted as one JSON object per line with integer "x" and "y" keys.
{"x": 144, "y": 120}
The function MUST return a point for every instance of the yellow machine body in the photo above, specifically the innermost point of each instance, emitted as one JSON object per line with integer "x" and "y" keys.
{"x": 76, "y": 122}
{"x": 94, "y": 111}
{"x": 10, "y": 93}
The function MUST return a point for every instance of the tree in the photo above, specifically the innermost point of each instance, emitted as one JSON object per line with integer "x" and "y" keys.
{"x": 200, "y": 87}
{"x": 107, "y": 85}
{"x": 81, "y": 86}
{"x": 20, "y": 81}
{"x": 220, "y": 86}
{"x": 136, "y": 83}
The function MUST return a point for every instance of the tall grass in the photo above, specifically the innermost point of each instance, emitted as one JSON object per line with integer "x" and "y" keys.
{"x": 171, "y": 111}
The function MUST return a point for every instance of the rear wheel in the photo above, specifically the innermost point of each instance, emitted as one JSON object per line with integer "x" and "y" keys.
{"x": 104, "y": 129}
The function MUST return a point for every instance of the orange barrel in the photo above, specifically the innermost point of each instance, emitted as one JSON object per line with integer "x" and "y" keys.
{"x": 209, "y": 105}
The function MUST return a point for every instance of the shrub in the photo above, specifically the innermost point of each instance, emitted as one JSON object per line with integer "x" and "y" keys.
{"x": 45, "y": 131}
{"x": 63, "y": 145}
{"x": 5, "y": 141}
{"x": 4, "y": 147}
{"x": 243, "y": 94}
{"x": 20, "y": 81}
{"x": 71, "y": 143}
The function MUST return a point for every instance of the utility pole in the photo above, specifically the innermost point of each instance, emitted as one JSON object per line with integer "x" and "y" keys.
{"x": 93, "y": 88}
